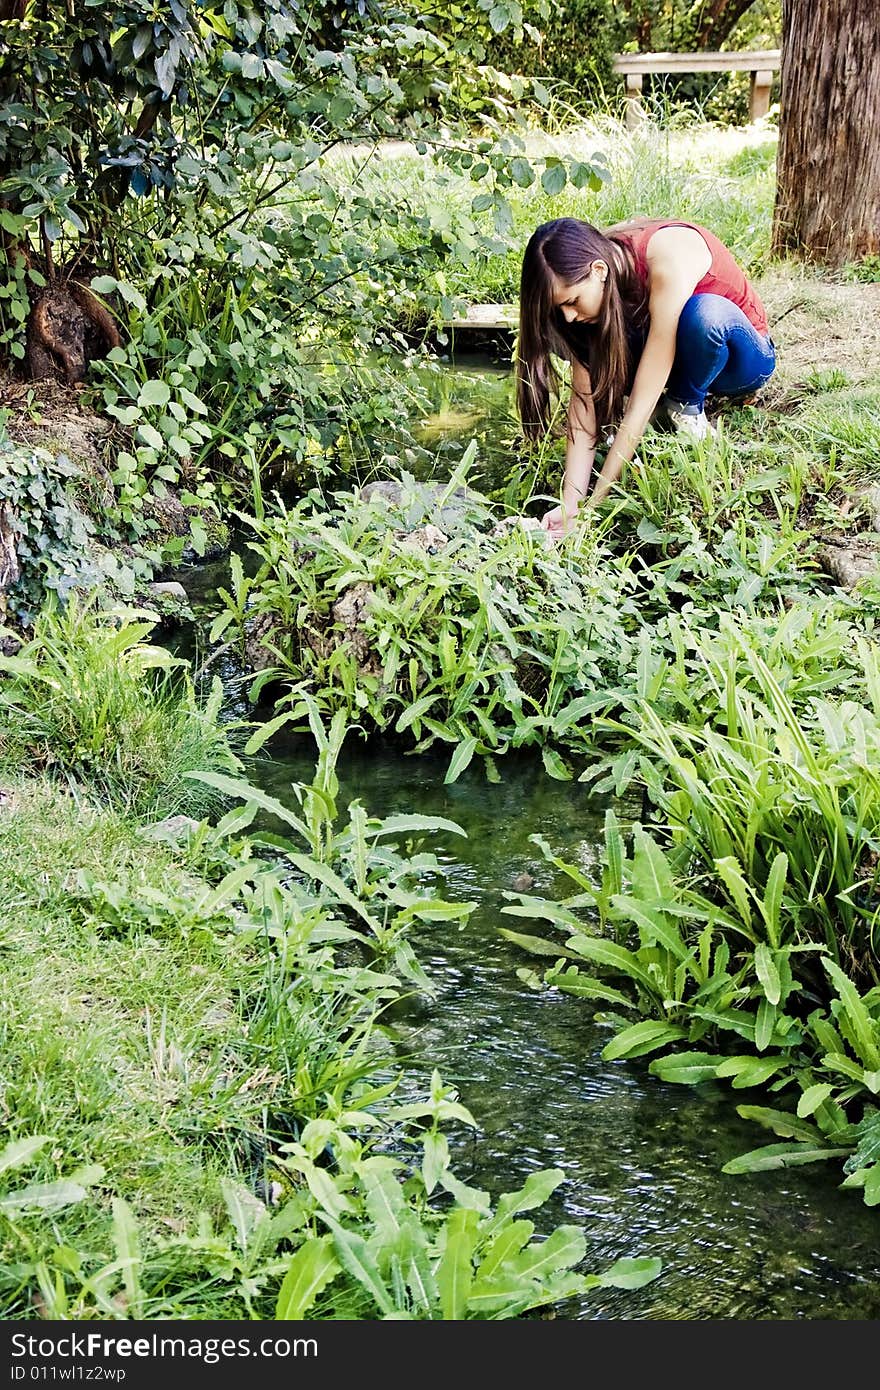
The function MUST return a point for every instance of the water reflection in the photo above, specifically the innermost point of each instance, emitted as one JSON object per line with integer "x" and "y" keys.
{"x": 470, "y": 400}
{"x": 473, "y": 400}
{"x": 642, "y": 1159}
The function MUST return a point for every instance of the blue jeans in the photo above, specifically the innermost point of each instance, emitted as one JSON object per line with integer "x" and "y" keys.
{"x": 717, "y": 349}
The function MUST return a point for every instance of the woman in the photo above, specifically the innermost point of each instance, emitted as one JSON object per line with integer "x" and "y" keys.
{"x": 650, "y": 308}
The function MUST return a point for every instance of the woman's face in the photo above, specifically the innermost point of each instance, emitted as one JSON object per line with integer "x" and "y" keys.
{"x": 582, "y": 302}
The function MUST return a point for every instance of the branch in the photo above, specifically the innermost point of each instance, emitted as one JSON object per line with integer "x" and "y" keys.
{"x": 720, "y": 22}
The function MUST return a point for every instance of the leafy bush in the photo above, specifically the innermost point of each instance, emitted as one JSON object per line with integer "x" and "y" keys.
{"x": 213, "y": 259}
{"x": 570, "y": 46}
{"x": 462, "y": 636}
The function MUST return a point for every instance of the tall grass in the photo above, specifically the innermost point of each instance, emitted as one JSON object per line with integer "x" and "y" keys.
{"x": 87, "y": 698}
{"x": 780, "y": 781}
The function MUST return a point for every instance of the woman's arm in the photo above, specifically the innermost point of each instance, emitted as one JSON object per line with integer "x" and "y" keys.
{"x": 580, "y": 451}
{"x": 678, "y": 258}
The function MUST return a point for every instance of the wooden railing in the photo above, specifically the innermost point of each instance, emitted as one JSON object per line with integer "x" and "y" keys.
{"x": 761, "y": 63}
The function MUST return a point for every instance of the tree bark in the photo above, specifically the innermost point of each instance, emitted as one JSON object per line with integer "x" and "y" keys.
{"x": 67, "y": 329}
{"x": 828, "y": 166}
{"x": 9, "y": 570}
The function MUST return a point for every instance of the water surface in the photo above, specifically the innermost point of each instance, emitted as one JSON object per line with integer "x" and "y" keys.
{"x": 642, "y": 1158}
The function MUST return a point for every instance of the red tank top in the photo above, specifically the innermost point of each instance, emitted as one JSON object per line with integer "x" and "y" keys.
{"x": 723, "y": 277}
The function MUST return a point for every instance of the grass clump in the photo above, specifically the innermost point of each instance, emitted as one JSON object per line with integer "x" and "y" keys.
{"x": 843, "y": 426}
{"x": 86, "y": 697}
{"x": 738, "y": 917}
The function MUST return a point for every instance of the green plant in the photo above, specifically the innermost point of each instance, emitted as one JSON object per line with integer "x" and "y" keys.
{"x": 41, "y": 1197}
{"x": 56, "y": 543}
{"x": 817, "y": 381}
{"x": 655, "y": 170}
{"x": 844, "y": 430}
{"x": 354, "y": 869}
{"x": 866, "y": 270}
{"x": 389, "y": 1251}
{"x": 250, "y": 1163}
{"x": 773, "y": 782}
{"x": 747, "y": 919}
{"x": 482, "y": 641}
{"x": 722, "y": 993}
{"x": 569, "y": 47}
{"x": 85, "y": 696}
{"x": 398, "y": 1254}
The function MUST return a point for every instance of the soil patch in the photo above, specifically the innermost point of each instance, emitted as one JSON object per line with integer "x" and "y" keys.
{"x": 819, "y": 325}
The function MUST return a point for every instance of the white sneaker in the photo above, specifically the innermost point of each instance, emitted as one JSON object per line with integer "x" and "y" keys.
{"x": 687, "y": 422}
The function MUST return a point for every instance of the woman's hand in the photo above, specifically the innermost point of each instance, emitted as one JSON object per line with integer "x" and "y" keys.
{"x": 558, "y": 522}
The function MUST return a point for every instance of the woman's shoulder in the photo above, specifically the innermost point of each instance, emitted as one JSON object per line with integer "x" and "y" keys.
{"x": 651, "y": 225}
{"x": 634, "y": 224}
{"x": 678, "y": 246}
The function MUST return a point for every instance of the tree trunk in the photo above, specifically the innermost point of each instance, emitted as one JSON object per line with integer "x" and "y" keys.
{"x": 828, "y": 167}
{"x": 67, "y": 329}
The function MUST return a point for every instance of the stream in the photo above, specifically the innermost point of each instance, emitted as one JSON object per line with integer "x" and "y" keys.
{"x": 642, "y": 1158}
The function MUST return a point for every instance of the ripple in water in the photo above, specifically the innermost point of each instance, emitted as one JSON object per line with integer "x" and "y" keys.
{"x": 642, "y": 1159}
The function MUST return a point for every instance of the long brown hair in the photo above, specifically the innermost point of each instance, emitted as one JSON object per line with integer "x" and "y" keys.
{"x": 563, "y": 250}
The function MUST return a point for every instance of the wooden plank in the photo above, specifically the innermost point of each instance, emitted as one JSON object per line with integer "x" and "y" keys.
{"x": 486, "y": 316}
{"x": 753, "y": 60}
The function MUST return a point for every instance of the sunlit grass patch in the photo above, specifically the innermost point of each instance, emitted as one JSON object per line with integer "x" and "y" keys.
{"x": 752, "y": 159}
{"x": 719, "y": 177}
{"x": 81, "y": 1011}
{"x": 656, "y": 172}
{"x": 844, "y": 428}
